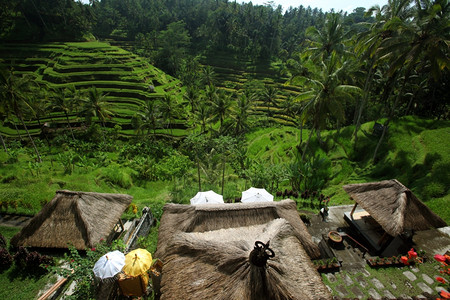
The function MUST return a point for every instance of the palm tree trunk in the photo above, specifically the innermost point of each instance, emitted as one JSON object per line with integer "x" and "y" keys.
{"x": 363, "y": 103}
{"x": 3, "y": 143}
{"x": 223, "y": 174}
{"x": 307, "y": 144}
{"x": 32, "y": 141}
{"x": 391, "y": 114}
{"x": 70, "y": 127}
{"x": 18, "y": 132}
{"x": 198, "y": 174}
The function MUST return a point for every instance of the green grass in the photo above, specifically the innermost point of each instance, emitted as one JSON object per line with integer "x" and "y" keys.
{"x": 16, "y": 283}
{"x": 389, "y": 277}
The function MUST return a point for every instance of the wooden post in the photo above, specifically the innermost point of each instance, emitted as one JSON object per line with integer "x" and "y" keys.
{"x": 353, "y": 210}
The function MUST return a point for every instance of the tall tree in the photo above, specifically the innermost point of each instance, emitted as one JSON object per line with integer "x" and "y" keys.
{"x": 149, "y": 117}
{"x": 95, "y": 105}
{"x": 324, "y": 99}
{"x": 220, "y": 108}
{"x": 62, "y": 102}
{"x": 16, "y": 93}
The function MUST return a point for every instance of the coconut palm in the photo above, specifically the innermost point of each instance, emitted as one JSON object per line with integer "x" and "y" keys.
{"x": 324, "y": 99}
{"x": 269, "y": 95}
{"x": 168, "y": 108}
{"x": 149, "y": 117}
{"x": 15, "y": 93}
{"x": 242, "y": 111}
{"x": 220, "y": 108}
{"x": 95, "y": 105}
{"x": 417, "y": 45}
{"x": 329, "y": 39}
{"x": 60, "y": 101}
{"x": 203, "y": 114}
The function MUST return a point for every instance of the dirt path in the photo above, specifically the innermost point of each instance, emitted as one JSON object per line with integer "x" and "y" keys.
{"x": 14, "y": 220}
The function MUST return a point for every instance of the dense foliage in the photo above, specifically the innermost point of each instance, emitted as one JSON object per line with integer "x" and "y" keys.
{"x": 239, "y": 68}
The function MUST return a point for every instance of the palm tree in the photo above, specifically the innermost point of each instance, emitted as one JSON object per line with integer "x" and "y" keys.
{"x": 60, "y": 102}
{"x": 169, "y": 109}
{"x": 419, "y": 44}
{"x": 329, "y": 39}
{"x": 149, "y": 117}
{"x": 243, "y": 108}
{"x": 38, "y": 109}
{"x": 269, "y": 94}
{"x": 203, "y": 114}
{"x": 95, "y": 105}
{"x": 208, "y": 76}
{"x": 15, "y": 94}
{"x": 324, "y": 99}
{"x": 220, "y": 108}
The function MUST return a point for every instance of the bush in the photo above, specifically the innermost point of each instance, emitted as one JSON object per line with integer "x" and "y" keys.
{"x": 6, "y": 259}
{"x": 36, "y": 260}
{"x": 433, "y": 190}
{"x": 3, "y": 242}
{"x": 21, "y": 256}
{"x": 32, "y": 260}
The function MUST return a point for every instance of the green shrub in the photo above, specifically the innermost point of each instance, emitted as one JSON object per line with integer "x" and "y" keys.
{"x": 6, "y": 259}
{"x": 433, "y": 190}
{"x": 116, "y": 175}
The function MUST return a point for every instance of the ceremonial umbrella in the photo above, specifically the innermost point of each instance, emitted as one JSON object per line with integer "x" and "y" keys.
{"x": 207, "y": 197}
{"x": 109, "y": 264}
{"x": 137, "y": 262}
{"x": 256, "y": 195}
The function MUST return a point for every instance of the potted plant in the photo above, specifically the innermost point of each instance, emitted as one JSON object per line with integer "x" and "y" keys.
{"x": 335, "y": 237}
{"x": 388, "y": 260}
{"x": 334, "y": 262}
{"x": 371, "y": 262}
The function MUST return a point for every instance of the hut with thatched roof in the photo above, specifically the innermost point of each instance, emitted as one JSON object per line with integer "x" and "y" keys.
{"x": 242, "y": 251}
{"x": 81, "y": 219}
{"x": 389, "y": 209}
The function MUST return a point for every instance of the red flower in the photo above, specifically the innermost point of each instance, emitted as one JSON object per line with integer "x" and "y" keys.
{"x": 445, "y": 294}
{"x": 93, "y": 249}
{"x": 441, "y": 280}
{"x": 71, "y": 260}
{"x": 412, "y": 253}
{"x": 404, "y": 260}
{"x": 439, "y": 257}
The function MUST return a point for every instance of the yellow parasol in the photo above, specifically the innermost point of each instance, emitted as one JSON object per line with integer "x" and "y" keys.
{"x": 137, "y": 262}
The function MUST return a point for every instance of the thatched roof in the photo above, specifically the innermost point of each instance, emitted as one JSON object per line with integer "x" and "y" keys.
{"x": 77, "y": 218}
{"x": 205, "y": 250}
{"x": 394, "y": 206}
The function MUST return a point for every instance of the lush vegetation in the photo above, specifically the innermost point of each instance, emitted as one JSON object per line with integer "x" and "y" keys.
{"x": 294, "y": 101}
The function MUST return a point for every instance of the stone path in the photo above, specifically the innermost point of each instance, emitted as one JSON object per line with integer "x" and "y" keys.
{"x": 353, "y": 262}
{"x": 378, "y": 290}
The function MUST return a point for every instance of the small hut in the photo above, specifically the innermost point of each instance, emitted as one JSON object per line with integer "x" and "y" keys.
{"x": 209, "y": 253}
{"x": 390, "y": 210}
{"x": 81, "y": 219}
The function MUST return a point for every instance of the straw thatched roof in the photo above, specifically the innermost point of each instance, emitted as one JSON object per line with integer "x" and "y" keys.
{"x": 394, "y": 206}
{"x": 78, "y": 218}
{"x": 205, "y": 250}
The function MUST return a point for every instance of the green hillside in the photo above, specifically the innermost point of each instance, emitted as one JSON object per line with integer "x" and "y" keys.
{"x": 121, "y": 76}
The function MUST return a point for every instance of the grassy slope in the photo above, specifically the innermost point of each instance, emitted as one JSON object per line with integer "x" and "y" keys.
{"x": 120, "y": 75}
{"x": 417, "y": 154}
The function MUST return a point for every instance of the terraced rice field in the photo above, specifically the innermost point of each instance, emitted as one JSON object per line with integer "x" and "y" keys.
{"x": 128, "y": 81}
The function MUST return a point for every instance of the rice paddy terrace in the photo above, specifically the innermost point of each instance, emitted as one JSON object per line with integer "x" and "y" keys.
{"x": 126, "y": 80}
{"x": 234, "y": 73}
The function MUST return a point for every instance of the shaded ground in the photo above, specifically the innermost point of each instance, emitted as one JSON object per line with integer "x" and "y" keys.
{"x": 354, "y": 278}
{"x": 14, "y": 220}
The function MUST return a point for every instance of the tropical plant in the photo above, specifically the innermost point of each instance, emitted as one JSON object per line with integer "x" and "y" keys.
{"x": 15, "y": 93}
{"x": 323, "y": 101}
